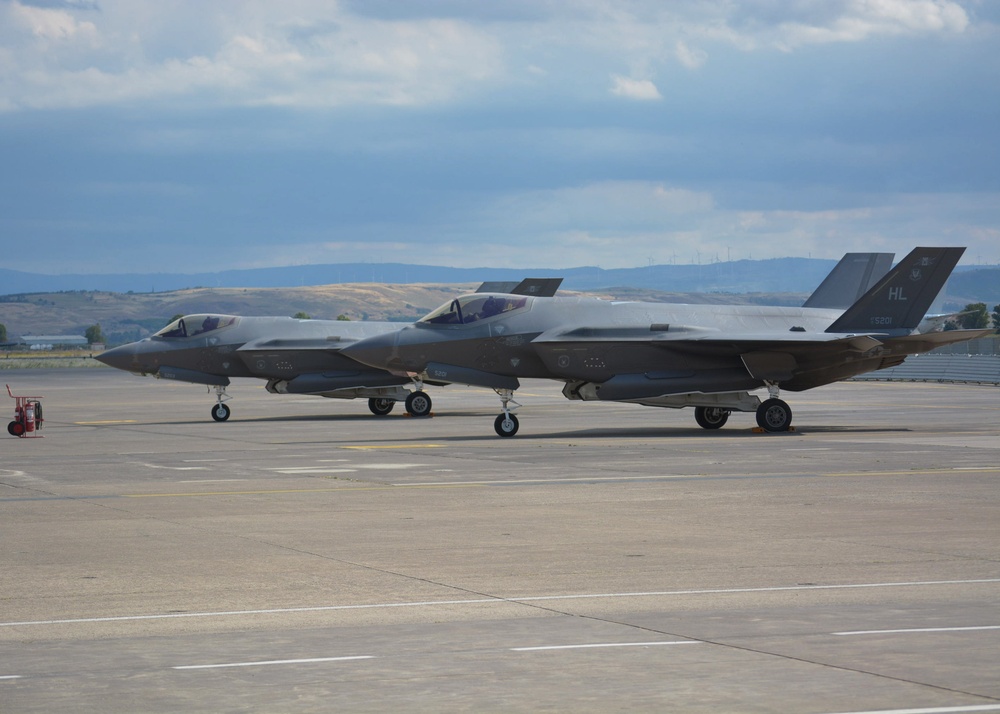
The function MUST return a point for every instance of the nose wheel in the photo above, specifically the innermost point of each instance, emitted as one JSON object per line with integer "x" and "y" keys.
{"x": 220, "y": 412}
{"x": 506, "y": 424}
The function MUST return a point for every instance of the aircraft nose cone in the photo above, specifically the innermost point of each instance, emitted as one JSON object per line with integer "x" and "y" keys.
{"x": 123, "y": 357}
{"x": 378, "y": 351}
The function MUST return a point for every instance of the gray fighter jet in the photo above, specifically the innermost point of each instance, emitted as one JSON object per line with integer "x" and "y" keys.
{"x": 294, "y": 356}
{"x": 709, "y": 357}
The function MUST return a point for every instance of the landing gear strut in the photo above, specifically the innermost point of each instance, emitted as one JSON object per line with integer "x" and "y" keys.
{"x": 220, "y": 412}
{"x": 506, "y": 424}
{"x": 773, "y": 414}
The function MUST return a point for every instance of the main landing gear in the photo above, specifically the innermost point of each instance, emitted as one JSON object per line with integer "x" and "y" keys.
{"x": 380, "y": 406}
{"x": 711, "y": 417}
{"x": 418, "y": 403}
{"x": 773, "y": 414}
{"x": 506, "y": 424}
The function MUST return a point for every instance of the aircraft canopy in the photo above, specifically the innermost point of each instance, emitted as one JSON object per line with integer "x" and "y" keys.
{"x": 192, "y": 325}
{"x": 472, "y": 308}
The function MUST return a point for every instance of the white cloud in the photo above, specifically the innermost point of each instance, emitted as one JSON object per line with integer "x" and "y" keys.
{"x": 858, "y": 20}
{"x": 252, "y": 53}
{"x": 690, "y": 58}
{"x": 641, "y": 89}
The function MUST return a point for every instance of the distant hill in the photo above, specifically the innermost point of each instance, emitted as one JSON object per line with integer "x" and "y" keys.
{"x": 781, "y": 274}
{"x": 976, "y": 285}
{"x": 743, "y": 276}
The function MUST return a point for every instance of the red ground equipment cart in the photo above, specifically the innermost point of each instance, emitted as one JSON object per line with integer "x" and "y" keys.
{"x": 27, "y": 416}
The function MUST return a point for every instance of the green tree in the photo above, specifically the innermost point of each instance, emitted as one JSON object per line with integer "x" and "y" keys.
{"x": 94, "y": 334}
{"x": 343, "y": 318}
{"x": 996, "y": 317}
{"x": 974, "y": 316}
{"x": 3, "y": 332}
{"x": 301, "y": 316}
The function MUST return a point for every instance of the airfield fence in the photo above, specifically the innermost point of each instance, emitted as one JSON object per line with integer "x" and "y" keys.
{"x": 974, "y": 362}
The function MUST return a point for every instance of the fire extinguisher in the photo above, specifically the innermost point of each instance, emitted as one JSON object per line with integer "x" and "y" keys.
{"x": 29, "y": 417}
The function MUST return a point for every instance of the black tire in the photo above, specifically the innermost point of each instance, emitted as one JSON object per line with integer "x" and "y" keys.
{"x": 506, "y": 425}
{"x": 220, "y": 412}
{"x": 380, "y": 406}
{"x": 711, "y": 417}
{"x": 418, "y": 404}
{"x": 774, "y": 415}
{"x": 15, "y": 428}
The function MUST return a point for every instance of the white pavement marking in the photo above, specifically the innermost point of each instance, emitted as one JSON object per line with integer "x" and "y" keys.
{"x": 608, "y": 644}
{"x": 214, "y": 480}
{"x": 10, "y": 676}
{"x": 500, "y": 600}
{"x": 172, "y": 468}
{"x": 934, "y": 710}
{"x": 919, "y": 629}
{"x": 273, "y": 661}
{"x": 294, "y": 470}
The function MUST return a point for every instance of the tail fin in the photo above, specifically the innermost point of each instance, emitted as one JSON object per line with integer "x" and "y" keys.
{"x": 539, "y": 287}
{"x": 899, "y": 301}
{"x": 852, "y": 277}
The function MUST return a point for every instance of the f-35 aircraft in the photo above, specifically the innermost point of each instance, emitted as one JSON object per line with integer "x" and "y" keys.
{"x": 294, "y": 356}
{"x": 709, "y": 357}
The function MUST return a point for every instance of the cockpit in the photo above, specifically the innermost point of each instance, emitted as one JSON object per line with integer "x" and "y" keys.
{"x": 194, "y": 325}
{"x": 471, "y": 308}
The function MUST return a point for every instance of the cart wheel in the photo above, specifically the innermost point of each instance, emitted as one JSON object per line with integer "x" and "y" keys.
{"x": 15, "y": 428}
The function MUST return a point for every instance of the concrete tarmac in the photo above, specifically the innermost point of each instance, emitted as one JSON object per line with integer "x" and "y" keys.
{"x": 308, "y": 556}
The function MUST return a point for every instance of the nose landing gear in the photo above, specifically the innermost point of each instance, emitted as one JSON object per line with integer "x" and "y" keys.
{"x": 220, "y": 412}
{"x": 506, "y": 424}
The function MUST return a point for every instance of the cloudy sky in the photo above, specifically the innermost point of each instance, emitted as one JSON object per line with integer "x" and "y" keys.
{"x": 141, "y": 135}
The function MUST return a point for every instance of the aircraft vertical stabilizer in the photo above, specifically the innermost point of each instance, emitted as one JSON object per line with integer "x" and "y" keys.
{"x": 899, "y": 301}
{"x": 852, "y": 277}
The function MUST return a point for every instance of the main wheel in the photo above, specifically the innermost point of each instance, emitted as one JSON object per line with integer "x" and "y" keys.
{"x": 506, "y": 425}
{"x": 774, "y": 415}
{"x": 15, "y": 428}
{"x": 220, "y": 412}
{"x": 418, "y": 404}
{"x": 381, "y": 406}
{"x": 711, "y": 417}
